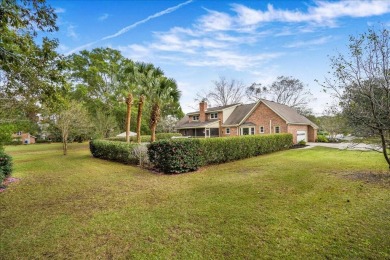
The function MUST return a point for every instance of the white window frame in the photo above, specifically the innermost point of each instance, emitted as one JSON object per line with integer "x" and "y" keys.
{"x": 227, "y": 131}
{"x": 261, "y": 130}
{"x": 213, "y": 115}
{"x": 278, "y": 131}
{"x": 195, "y": 118}
{"x": 251, "y": 130}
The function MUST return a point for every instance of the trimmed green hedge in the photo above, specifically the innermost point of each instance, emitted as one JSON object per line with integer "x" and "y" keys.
{"x": 5, "y": 165}
{"x": 226, "y": 149}
{"x": 145, "y": 138}
{"x": 184, "y": 155}
{"x": 114, "y": 151}
{"x": 176, "y": 156}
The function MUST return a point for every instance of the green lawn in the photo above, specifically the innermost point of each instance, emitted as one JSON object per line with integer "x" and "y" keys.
{"x": 290, "y": 204}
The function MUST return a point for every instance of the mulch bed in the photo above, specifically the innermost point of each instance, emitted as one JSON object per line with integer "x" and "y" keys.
{"x": 7, "y": 181}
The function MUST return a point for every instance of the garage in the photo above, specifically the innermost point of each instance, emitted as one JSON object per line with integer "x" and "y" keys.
{"x": 301, "y": 136}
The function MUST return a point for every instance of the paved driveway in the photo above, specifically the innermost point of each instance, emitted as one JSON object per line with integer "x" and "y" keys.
{"x": 347, "y": 146}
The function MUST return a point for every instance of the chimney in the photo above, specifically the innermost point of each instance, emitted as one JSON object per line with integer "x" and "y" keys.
{"x": 202, "y": 110}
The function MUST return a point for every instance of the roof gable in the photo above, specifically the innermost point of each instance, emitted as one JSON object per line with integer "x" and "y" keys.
{"x": 289, "y": 114}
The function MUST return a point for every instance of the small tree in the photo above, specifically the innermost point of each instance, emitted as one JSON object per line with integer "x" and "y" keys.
{"x": 72, "y": 120}
{"x": 361, "y": 81}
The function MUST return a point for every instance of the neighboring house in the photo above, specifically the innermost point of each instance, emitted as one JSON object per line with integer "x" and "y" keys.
{"x": 26, "y": 138}
{"x": 263, "y": 117}
{"x": 124, "y": 134}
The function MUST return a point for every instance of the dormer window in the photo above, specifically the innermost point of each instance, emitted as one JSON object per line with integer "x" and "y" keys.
{"x": 214, "y": 116}
{"x": 195, "y": 118}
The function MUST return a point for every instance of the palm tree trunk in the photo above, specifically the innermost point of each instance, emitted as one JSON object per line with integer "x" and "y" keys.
{"x": 154, "y": 117}
{"x": 139, "y": 117}
{"x": 129, "y": 102}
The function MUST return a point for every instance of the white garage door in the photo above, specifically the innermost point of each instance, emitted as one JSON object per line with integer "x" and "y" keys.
{"x": 301, "y": 135}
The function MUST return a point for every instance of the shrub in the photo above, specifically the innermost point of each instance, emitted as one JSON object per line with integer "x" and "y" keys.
{"x": 183, "y": 155}
{"x": 5, "y": 165}
{"x": 114, "y": 151}
{"x": 42, "y": 141}
{"x": 322, "y": 139}
{"x": 164, "y": 136}
{"x": 225, "y": 149}
{"x": 176, "y": 156}
{"x": 302, "y": 142}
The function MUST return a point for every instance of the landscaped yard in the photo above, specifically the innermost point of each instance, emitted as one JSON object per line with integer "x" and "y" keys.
{"x": 302, "y": 203}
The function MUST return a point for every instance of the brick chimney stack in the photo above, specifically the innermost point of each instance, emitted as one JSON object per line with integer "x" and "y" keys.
{"x": 202, "y": 110}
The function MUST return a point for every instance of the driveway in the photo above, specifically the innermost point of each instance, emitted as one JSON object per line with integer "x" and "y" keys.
{"x": 347, "y": 146}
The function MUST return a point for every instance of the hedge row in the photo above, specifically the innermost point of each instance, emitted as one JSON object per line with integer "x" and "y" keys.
{"x": 145, "y": 138}
{"x": 184, "y": 155}
{"x": 5, "y": 165}
{"x": 226, "y": 149}
{"x": 114, "y": 151}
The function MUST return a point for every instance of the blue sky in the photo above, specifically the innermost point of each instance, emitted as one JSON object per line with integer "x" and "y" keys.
{"x": 196, "y": 41}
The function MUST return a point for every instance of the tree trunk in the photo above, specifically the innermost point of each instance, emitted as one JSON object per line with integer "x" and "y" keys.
{"x": 154, "y": 117}
{"x": 384, "y": 148}
{"x": 65, "y": 144}
{"x": 139, "y": 117}
{"x": 129, "y": 102}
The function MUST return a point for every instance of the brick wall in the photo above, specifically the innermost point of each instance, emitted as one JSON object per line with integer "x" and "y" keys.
{"x": 262, "y": 116}
{"x": 312, "y": 134}
{"x": 292, "y": 129}
{"x": 233, "y": 131}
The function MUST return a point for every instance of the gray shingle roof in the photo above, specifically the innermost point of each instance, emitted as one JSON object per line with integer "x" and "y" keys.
{"x": 196, "y": 124}
{"x": 212, "y": 109}
{"x": 239, "y": 114}
{"x": 288, "y": 113}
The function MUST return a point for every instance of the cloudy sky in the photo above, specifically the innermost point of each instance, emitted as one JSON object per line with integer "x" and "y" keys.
{"x": 197, "y": 41}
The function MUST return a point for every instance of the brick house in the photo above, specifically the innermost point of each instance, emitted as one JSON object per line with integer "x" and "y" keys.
{"x": 26, "y": 138}
{"x": 262, "y": 117}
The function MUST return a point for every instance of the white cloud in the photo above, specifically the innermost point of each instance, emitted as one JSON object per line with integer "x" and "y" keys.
{"x": 103, "y": 17}
{"x": 324, "y": 13}
{"x": 319, "y": 41}
{"x": 70, "y": 32}
{"x": 215, "y": 21}
{"x": 59, "y": 10}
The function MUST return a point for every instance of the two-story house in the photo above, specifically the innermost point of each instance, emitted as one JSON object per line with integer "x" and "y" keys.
{"x": 262, "y": 117}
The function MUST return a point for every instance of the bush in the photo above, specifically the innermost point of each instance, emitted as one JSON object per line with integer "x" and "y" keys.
{"x": 302, "y": 142}
{"x": 176, "y": 156}
{"x": 42, "y": 141}
{"x": 225, "y": 149}
{"x": 5, "y": 165}
{"x": 184, "y": 155}
{"x": 165, "y": 136}
{"x": 114, "y": 151}
{"x": 322, "y": 139}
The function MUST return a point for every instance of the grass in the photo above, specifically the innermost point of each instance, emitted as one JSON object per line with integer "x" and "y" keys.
{"x": 290, "y": 204}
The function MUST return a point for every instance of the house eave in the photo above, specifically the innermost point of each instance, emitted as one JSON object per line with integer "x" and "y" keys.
{"x": 312, "y": 125}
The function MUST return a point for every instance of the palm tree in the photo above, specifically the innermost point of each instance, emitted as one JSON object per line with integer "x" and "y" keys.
{"x": 164, "y": 91}
{"x": 146, "y": 76}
